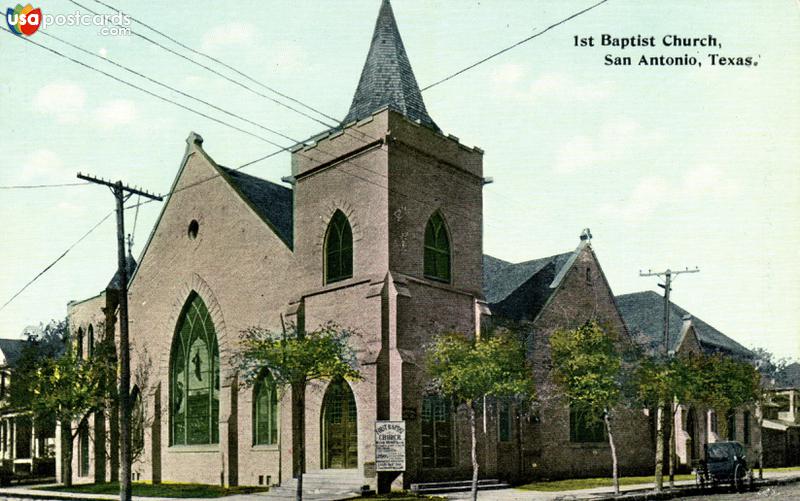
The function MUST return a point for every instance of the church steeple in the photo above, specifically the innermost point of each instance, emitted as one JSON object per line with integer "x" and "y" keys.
{"x": 387, "y": 77}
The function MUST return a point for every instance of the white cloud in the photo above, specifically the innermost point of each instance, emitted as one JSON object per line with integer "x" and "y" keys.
{"x": 709, "y": 180}
{"x": 64, "y": 100}
{"x": 513, "y": 81}
{"x": 654, "y": 193}
{"x": 648, "y": 194}
{"x": 614, "y": 141}
{"x": 227, "y": 35}
{"x": 41, "y": 165}
{"x": 116, "y": 112}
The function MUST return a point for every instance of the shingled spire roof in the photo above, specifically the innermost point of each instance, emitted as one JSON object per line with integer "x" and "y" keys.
{"x": 387, "y": 78}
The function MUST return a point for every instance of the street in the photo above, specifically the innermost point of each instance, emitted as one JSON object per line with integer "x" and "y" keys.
{"x": 791, "y": 491}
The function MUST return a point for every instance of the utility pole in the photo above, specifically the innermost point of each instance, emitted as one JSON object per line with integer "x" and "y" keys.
{"x": 122, "y": 193}
{"x": 667, "y": 286}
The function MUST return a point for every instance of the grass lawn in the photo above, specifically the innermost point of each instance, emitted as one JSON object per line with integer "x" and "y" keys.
{"x": 787, "y": 468}
{"x": 166, "y": 490}
{"x": 590, "y": 483}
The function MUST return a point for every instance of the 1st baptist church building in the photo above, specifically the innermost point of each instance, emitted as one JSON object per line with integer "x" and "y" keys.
{"x": 379, "y": 230}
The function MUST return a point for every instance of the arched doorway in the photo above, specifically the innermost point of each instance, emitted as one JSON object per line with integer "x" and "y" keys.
{"x": 691, "y": 430}
{"x": 339, "y": 430}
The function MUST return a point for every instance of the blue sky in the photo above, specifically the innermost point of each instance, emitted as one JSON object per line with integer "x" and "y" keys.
{"x": 669, "y": 166}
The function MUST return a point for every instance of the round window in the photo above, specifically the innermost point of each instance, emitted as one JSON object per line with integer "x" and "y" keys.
{"x": 194, "y": 226}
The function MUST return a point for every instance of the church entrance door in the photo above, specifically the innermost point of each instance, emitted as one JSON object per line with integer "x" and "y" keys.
{"x": 339, "y": 432}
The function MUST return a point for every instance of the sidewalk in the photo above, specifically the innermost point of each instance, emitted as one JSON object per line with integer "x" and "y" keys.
{"x": 599, "y": 493}
{"x": 26, "y": 492}
{"x": 631, "y": 492}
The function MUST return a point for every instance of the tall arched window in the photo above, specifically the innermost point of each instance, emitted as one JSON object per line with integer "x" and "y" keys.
{"x": 265, "y": 411}
{"x": 437, "y": 432}
{"x": 437, "y": 249}
{"x": 338, "y": 249}
{"x": 79, "y": 344}
{"x": 137, "y": 421}
{"x": 90, "y": 341}
{"x": 194, "y": 377}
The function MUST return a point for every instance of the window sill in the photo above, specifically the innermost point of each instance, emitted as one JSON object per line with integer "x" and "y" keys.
{"x": 265, "y": 447}
{"x": 194, "y": 448}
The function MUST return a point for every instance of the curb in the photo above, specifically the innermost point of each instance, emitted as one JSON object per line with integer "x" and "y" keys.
{"x": 681, "y": 491}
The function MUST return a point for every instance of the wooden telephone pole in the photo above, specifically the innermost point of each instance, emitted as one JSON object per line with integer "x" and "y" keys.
{"x": 122, "y": 193}
{"x": 667, "y": 286}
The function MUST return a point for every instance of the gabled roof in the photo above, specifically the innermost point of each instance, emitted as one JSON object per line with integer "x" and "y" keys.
{"x": 11, "y": 350}
{"x": 519, "y": 291}
{"x": 643, "y": 313}
{"x": 272, "y": 201}
{"x": 790, "y": 376}
{"x": 387, "y": 78}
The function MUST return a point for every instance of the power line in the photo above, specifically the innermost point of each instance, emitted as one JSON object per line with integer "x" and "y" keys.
{"x": 59, "y": 258}
{"x": 161, "y": 98}
{"x": 232, "y": 68}
{"x": 503, "y": 51}
{"x": 173, "y": 89}
{"x": 207, "y": 68}
{"x": 34, "y": 186}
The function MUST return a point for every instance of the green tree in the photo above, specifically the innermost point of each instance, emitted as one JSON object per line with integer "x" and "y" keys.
{"x": 469, "y": 370}
{"x": 724, "y": 384}
{"x": 588, "y": 367}
{"x": 660, "y": 381}
{"x": 70, "y": 388}
{"x": 294, "y": 358}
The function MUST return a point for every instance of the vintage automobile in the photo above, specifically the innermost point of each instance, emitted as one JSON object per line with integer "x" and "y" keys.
{"x": 724, "y": 463}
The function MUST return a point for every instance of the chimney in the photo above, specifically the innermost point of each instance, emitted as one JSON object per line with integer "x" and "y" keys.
{"x": 586, "y": 235}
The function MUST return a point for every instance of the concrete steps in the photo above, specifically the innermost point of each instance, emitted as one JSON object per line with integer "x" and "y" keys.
{"x": 485, "y": 484}
{"x": 328, "y": 485}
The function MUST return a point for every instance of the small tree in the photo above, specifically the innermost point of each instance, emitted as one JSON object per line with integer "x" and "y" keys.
{"x": 294, "y": 358}
{"x": 587, "y": 364}
{"x": 724, "y": 384}
{"x": 469, "y": 370}
{"x": 658, "y": 381}
{"x": 70, "y": 389}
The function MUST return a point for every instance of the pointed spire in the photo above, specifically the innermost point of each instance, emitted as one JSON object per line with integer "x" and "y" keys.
{"x": 387, "y": 77}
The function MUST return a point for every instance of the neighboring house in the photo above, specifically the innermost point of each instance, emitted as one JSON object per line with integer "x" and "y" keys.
{"x": 789, "y": 377}
{"x": 781, "y": 428}
{"x": 563, "y": 291}
{"x": 644, "y": 315}
{"x": 25, "y": 445}
{"x": 91, "y": 321}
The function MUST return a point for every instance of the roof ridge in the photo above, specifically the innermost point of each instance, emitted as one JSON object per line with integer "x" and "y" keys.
{"x": 236, "y": 172}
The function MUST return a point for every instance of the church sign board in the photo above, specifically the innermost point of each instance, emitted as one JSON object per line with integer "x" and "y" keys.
{"x": 390, "y": 445}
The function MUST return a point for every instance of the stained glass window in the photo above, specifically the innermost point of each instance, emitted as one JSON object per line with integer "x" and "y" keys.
{"x": 137, "y": 421}
{"x": 504, "y": 421}
{"x": 437, "y": 432}
{"x": 338, "y": 249}
{"x": 194, "y": 377}
{"x": 90, "y": 341}
{"x": 437, "y": 249}
{"x": 83, "y": 450}
{"x": 79, "y": 344}
{"x": 585, "y": 427}
{"x": 265, "y": 411}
